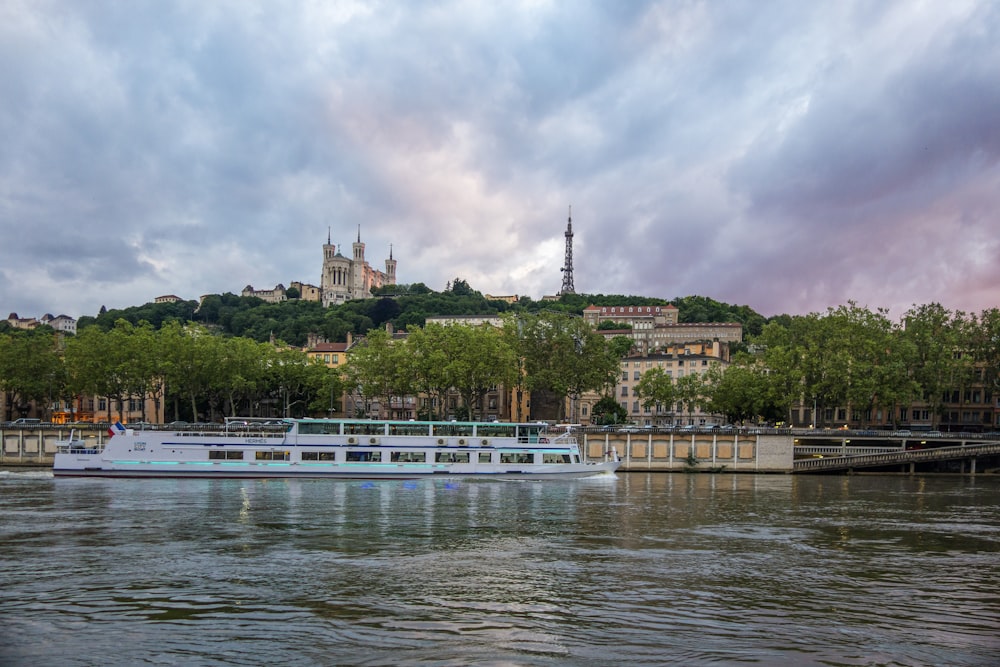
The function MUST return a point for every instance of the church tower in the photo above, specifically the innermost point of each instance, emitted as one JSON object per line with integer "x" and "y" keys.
{"x": 390, "y": 268}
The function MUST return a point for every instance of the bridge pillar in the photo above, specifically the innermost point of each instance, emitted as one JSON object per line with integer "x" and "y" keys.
{"x": 913, "y": 467}
{"x": 972, "y": 466}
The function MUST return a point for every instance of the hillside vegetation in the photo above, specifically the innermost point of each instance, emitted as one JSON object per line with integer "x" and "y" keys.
{"x": 401, "y": 305}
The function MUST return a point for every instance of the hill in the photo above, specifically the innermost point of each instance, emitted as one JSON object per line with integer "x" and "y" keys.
{"x": 402, "y": 305}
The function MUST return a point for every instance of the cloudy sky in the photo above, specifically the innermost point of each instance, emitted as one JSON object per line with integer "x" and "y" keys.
{"x": 785, "y": 155}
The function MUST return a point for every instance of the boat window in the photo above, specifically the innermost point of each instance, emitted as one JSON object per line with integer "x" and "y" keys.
{"x": 271, "y": 456}
{"x": 364, "y": 428}
{"x": 319, "y": 456}
{"x": 452, "y": 457}
{"x": 319, "y": 428}
{"x": 484, "y": 457}
{"x": 555, "y": 458}
{"x": 496, "y": 430}
{"x": 517, "y": 457}
{"x": 408, "y": 457}
{"x": 225, "y": 455}
{"x": 409, "y": 429}
{"x": 453, "y": 429}
{"x": 363, "y": 456}
{"x": 529, "y": 432}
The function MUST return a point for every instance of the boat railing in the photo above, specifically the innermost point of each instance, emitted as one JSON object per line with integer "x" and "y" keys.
{"x": 565, "y": 438}
{"x": 77, "y": 445}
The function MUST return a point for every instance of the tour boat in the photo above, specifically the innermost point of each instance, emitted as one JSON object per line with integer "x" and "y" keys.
{"x": 333, "y": 448}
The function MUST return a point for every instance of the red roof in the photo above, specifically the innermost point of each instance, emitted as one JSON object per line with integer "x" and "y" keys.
{"x": 329, "y": 347}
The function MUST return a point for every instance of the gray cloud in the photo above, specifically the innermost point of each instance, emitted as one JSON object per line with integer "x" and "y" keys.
{"x": 788, "y": 156}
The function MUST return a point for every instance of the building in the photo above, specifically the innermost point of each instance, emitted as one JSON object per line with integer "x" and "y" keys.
{"x": 307, "y": 292}
{"x": 696, "y": 359}
{"x": 333, "y": 355}
{"x": 100, "y": 409}
{"x": 506, "y": 298}
{"x": 656, "y": 329}
{"x": 346, "y": 278}
{"x": 276, "y": 295}
{"x": 22, "y": 322}
{"x": 167, "y": 298}
{"x": 466, "y": 320}
{"x": 63, "y": 323}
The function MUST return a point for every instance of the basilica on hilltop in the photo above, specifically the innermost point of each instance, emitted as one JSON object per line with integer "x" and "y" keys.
{"x": 346, "y": 278}
{"x": 343, "y": 278}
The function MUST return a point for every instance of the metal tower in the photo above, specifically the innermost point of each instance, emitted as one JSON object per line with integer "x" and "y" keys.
{"x": 567, "y": 269}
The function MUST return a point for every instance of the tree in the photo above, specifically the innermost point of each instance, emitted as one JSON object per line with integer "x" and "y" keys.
{"x": 478, "y": 358}
{"x": 936, "y": 339}
{"x": 741, "y": 391}
{"x": 657, "y": 388}
{"x": 608, "y": 411}
{"x": 428, "y": 354}
{"x": 985, "y": 346}
{"x": 691, "y": 392}
{"x": 31, "y": 369}
{"x": 564, "y": 357}
{"x": 372, "y": 369}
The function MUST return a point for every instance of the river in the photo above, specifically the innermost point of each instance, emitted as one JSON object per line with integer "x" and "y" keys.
{"x": 641, "y": 569}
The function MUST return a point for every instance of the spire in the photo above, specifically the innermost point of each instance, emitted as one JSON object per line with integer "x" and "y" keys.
{"x": 328, "y": 235}
{"x": 567, "y": 269}
{"x": 359, "y": 233}
{"x": 390, "y": 251}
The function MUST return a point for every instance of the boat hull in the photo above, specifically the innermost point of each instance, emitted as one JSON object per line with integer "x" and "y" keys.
{"x": 576, "y": 472}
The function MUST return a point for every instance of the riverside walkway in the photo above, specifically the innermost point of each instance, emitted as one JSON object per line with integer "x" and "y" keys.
{"x": 910, "y": 457}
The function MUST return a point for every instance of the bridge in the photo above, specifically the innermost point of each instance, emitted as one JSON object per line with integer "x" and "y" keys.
{"x": 910, "y": 457}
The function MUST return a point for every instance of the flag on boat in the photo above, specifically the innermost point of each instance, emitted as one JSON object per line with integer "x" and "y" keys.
{"x": 116, "y": 429}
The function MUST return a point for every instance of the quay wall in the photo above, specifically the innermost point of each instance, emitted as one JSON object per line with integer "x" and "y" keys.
{"x": 717, "y": 452}
{"x": 37, "y": 446}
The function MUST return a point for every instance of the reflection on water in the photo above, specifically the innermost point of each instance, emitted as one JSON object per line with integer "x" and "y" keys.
{"x": 643, "y": 568}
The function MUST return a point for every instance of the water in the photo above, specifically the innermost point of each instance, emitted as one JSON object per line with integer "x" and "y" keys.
{"x": 640, "y": 570}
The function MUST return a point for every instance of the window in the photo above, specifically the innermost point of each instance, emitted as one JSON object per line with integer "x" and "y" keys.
{"x": 484, "y": 457}
{"x": 271, "y": 456}
{"x": 359, "y": 456}
{"x": 555, "y": 458}
{"x": 624, "y": 376}
{"x": 452, "y": 457}
{"x": 635, "y": 375}
{"x": 408, "y": 457}
{"x": 224, "y": 455}
{"x": 319, "y": 456}
{"x": 635, "y": 406}
{"x": 517, "y": 457}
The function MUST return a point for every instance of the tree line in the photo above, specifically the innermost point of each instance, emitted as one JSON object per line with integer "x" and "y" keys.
{"x": 853, "y": 359}
{"x": 850, "y": 357}
{"x": 201, "y": 375}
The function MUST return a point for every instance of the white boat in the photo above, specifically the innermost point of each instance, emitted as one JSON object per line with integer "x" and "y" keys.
{"x": 333, "y": 448}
